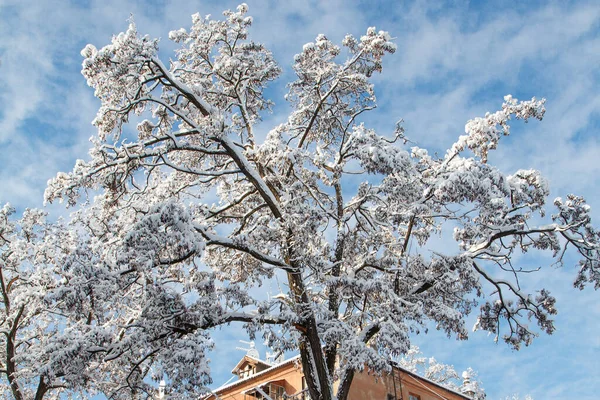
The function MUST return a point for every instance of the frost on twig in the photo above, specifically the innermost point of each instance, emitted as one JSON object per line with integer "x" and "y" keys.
{"x": 192, "y": 214}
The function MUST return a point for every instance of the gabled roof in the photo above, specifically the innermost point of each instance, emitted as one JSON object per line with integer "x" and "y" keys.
{"x": 422, "y": 378}
{"x": 296, "y": 358}
{"x": 250, "y": 360}
{"x": 258, "y": 374}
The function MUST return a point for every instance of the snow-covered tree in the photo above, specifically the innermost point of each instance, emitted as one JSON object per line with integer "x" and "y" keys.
{"x": 471, "y": 386}
{"x": 194, "y": 208}
{"x": 414, "y": 361}
{"x": 516, "y": 397}
{"x": 41, "y": 355}
{"x": 444, "y": 374}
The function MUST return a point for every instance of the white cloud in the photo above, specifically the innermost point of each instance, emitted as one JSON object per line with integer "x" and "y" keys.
{"x": 453, "y": 63}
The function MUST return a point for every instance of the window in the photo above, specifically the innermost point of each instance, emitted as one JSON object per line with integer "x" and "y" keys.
{"x": 249, "y": 370}
{"x": 412, "y": 396}
{"x": 276, "y": 392}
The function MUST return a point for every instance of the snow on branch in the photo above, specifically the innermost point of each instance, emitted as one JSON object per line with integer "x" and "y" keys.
{"x": 190, "y": 215}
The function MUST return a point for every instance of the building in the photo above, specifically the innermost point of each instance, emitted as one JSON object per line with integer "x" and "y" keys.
{"x": 258, "y": 379}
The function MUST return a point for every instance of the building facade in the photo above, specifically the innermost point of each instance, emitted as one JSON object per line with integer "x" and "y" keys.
{"x": 260, "y": 380}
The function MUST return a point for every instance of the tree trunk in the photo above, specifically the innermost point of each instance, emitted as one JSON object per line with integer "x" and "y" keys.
{"x": 11, "y": 366}
{"x": 11, "y": 369}
{"x": 41, "y": 389}
{"x": 345, "y": 383}
{"x": 311, "y": 352}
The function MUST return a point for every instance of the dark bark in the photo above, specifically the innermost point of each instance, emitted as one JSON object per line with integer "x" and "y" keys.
{"x": 345, "y": 383}
{"x": 311, "y": 352}
{"x": 348, "y": 374}
{"x": 11, "y": 366}
{"x": 334, "y": 301}
{"x": 41, "y": 389}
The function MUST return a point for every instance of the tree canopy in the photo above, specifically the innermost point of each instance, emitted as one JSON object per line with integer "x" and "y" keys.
{"x": 191, "y": 210}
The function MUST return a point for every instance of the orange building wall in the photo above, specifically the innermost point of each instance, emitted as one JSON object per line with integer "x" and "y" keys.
{"x": 290, "y": 373}
{"x": 368, "y": 386}
{"x": 365, "y": 385}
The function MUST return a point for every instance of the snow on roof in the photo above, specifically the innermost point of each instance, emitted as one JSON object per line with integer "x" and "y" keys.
{"x": 395, "y": 365}
{"x": 272, "y": 368}
{"x": 293, "y": 359}
{"x": 249, "y": 358}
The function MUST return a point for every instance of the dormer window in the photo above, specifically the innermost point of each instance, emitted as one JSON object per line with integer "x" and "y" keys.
{"x": 248, "y": 371}
{"x": 249, "y": 366}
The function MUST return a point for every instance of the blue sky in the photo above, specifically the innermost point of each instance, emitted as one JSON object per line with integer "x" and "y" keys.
{"x": 455, "y": 60}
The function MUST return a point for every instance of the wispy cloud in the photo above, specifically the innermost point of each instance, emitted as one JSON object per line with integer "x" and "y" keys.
{"x": 455, "y": 60}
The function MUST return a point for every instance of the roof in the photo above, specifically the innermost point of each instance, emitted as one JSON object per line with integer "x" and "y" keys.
{"x": 248, "y": 358}
{"x": 263, "y": 372}
{"x": 417, "y": 376}
{"x": 293, "y": 359}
